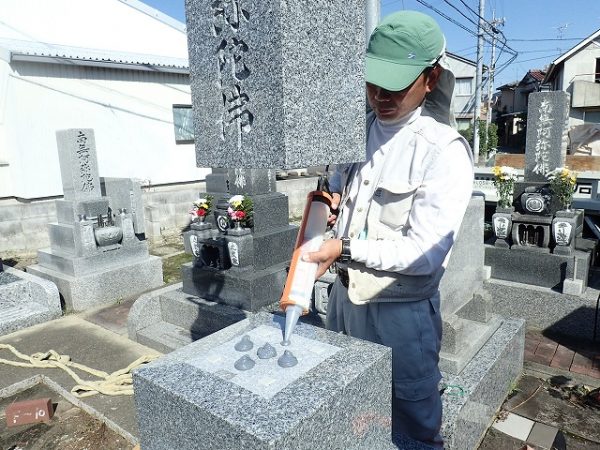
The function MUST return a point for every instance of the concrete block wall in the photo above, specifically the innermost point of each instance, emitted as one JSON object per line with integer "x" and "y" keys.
{"x": 23, "y": 225}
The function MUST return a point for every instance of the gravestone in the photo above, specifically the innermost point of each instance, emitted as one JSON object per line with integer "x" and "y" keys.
{"x": 25, "y": 300}
{"x": 547, "y": 134}
{"x": 537, "y": 223}
{"x": 98, "y": 251}
{"x": 200, "y": 398}
{"x": 259, "y": 94}
{"x": 259, "y": 106}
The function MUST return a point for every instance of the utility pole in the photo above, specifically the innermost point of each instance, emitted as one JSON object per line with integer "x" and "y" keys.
{"x": 478, "y": 79}
{"x": 372, "y": 16}
{"x": 491, "y": 71}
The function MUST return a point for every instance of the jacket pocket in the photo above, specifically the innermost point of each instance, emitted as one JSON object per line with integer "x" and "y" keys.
{"x": 395, "y": 200}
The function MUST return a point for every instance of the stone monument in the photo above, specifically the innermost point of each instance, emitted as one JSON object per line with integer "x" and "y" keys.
{"x": 240, "y": 389}
{"x": 536, "y": 238}
{"x": 25, "y": 300}
{"x": 245, "y": 268}
{"x": 260, "y": 96}
{"x": 258, "y": 105}
{"x": 98, "y": 252}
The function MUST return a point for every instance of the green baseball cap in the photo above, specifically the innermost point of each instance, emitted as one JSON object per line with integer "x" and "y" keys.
{"x": 401, "y": 47}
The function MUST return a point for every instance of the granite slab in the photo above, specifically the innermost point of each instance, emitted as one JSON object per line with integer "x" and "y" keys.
{"x": 259, "y": 94}
{"x": 473, "y": 396}
{"x": 341, "y": 402}
{"x": 547, "y": 138}
{"x": 105, "y": 285}
{"x": 26, "y": 300}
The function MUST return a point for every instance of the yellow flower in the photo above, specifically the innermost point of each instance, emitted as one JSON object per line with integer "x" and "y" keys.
{"x": 497, "y": 171}
{"x": 204, "y": 205}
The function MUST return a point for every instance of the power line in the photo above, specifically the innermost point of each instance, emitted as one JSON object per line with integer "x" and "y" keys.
{"x": 541, "y": 57}
{"x": 549, "y": 39}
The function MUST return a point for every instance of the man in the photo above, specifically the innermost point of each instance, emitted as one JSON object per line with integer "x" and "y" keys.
{"x": 399, "y": 213}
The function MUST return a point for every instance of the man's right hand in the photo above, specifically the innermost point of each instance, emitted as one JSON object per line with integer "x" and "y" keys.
{"x": 335, "y": 203}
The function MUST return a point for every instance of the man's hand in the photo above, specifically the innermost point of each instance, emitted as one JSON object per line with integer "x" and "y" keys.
{"x": 330, "y": 250}
{"x": 335, "y": 203}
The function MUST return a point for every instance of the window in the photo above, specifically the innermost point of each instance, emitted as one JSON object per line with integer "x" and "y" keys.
{"x": 591, "y": 116}
{"x": 597, "y": 73}
{"x": 182, "y": 121}
{"x": 463, "y": 86}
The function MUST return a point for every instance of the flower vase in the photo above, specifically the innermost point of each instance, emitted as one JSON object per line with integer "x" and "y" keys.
{"x": 564, "y": 226}
{"x": 502, "y": 225}
{"x": 199, "y": 223}
{"x": 238, "y": 229}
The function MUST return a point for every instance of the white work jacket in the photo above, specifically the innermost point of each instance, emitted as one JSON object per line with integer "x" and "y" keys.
{"x": 419, "y": 189}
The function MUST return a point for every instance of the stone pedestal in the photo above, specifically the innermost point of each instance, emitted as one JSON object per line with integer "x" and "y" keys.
{"x": 208, "y": 402}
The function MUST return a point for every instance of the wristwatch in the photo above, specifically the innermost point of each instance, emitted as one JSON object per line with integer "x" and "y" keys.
{"x": 346, "y": 255}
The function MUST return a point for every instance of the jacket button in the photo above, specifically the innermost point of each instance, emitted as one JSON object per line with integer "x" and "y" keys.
{"x": 352, "y": 234}
{"x": 359, "y": 209}
{"x": 366, "y": 182}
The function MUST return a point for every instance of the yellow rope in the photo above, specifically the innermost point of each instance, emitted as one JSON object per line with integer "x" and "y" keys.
{"x": 116, "y": 383}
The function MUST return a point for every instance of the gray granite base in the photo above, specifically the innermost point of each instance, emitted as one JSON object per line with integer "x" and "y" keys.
{"x": 535, "y": 268}
{"x": 242, "y": 288}
{"x": 472, "y": 397}
{"x": 26, "y": 300}
{"x": 167, "y": 319}
{"x": 77, "y": 266}
{"x": 341, "y": 402}
{"x": 106, "y": 285}
{"x": 569, "y": 316}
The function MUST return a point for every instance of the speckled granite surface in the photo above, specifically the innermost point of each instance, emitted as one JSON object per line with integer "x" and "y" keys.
{"x": 276, "y": 83}
{"x": 26, "y": 300}
{"x": 474, "y": 396}
{"x": 343, "y": 402}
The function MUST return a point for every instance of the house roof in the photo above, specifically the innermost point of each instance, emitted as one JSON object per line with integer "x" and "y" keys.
{"x": 62, "y": 54}
{"x": 569, "y": 53}
{"x": 537, "y": 74}
{"x": 115, "y": 33}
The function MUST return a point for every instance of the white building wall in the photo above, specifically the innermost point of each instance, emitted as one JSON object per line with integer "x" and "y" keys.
{"x": 581, "y": 65}
{"x": 130, "y": 112}
{"x": 463, "y": 104}
{"x": 111, "y": 25}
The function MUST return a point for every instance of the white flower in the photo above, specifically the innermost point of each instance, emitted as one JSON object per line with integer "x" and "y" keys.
{"x": 236, "y": 200}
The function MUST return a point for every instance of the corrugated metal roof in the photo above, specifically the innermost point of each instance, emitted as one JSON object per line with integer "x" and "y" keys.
{"x": 51, "y": 53}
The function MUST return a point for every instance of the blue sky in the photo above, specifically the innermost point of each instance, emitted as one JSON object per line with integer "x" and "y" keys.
{"x": 540, "y": 30}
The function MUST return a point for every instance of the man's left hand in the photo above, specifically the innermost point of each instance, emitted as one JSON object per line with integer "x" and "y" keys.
{"x": 330, "y": 250}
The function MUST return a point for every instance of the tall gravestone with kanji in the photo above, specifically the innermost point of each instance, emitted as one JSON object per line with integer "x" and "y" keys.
{"x": 275, "y": 84}
{"x": 261, "y": 102}
{"x": 98, "y": 252}
{"x": 537, "y": 224}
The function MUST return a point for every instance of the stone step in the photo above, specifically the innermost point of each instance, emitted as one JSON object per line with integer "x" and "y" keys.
{"x": 166, "y": 337}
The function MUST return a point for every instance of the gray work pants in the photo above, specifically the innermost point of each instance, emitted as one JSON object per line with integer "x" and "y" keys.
{"x": 414, "y": 331}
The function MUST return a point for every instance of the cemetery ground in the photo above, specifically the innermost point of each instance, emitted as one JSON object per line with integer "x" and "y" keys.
{"x": 554, "y": 399}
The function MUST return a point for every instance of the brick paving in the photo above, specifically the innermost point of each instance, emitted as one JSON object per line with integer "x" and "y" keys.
{"x": 576, "y": 358}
